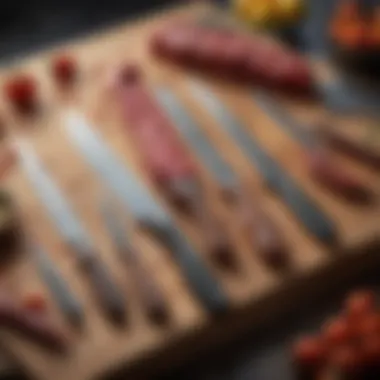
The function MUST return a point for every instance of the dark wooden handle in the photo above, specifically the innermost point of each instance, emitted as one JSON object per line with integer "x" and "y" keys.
{"x": 215, "y": 236}
{"x": 191, "y": 194}
{"x": 108, "y": 295}
{"x": 264, "y": 233}
{"x": 325, "y": 170}
{"x": 367, "y": 156}
{"x": 195, "y": 272}
{"x": 151, "y": 296}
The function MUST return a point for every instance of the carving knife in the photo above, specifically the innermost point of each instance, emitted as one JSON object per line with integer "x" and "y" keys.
{"x": 63, "y": 296}
{"x": 313, "y": 219}
{"x": 151, "y": 296}
{"x": 168, "y": 164}
{"x": 323, "y": 168}
{"x": 73, "y": 233}
{"x": 264, "y": 234}
{"x": 136, "y": 197}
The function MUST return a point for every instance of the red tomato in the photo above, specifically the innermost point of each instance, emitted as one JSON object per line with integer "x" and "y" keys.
{"x": 21, "y": 91}
{"x": 65, "y": 69}
{"x": 309, "y": 351}
{"x": 35, "y": 302}
{"x": 360, "y": 303}
{"x": 337, "y": 332}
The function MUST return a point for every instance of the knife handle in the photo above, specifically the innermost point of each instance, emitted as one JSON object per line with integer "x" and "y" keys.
{"x": 324, "y": 169}
{"x": 108, "y": 295}
{"x": 197, "y": 275}
{"x": 263, "y": 232}
{"x": 151, "y": 296}
{"x": 214, "y": 235}
{"x": 360, "y": 153}
{"x": 304, "y": 208}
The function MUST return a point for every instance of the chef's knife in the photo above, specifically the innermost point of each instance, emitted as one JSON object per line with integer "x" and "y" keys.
{"x": 313, "y": 219}
{"x": 264, "y": 234}
{"x": 144, "y": 208}
{"x": 73, "y": 233}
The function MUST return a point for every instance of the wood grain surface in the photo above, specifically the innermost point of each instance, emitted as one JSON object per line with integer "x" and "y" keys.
{"x": 255, "y": 289}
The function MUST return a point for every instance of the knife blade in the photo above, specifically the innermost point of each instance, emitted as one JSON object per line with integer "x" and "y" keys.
{"x": 323, "y": 168}
{"x": 62, "y": 294}
{"x": 312, "y": 218}
{"x": 72, "y": 232}
{"x": 151, "y": 296}
{"x": 192, "y": 134}
{"x": 138, "y": 200}
{"x": 169, "y": 165}
{"x": 263, "y": 232}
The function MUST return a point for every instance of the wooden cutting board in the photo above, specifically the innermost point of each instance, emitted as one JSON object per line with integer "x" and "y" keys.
{"x": 256, "y": 293}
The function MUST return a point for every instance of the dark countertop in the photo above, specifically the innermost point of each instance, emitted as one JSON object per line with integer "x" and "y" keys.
{"x": 262, "y": 356}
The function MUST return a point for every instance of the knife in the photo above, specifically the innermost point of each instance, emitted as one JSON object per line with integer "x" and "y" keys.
{"x": 169, "y": 165}
{"x": 108, "y": 295}
{"x": 313, "y": 219}
{"x": 264, "y": 234}
{"x": 148, "y": 213}
{"x": 63, "y": 296}
{"x": 323, "y": 168}
{"x": 151, "y": 296}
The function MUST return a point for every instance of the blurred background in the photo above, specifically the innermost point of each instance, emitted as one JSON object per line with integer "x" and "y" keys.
{"x": 29, "y": 25}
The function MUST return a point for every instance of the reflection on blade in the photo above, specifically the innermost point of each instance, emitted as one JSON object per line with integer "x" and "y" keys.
{"x": 198, "y": 142}
{"x": 144, "y": 208}
{"x": 73, "y": 233}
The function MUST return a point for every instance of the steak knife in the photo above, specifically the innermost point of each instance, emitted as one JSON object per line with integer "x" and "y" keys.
{"x": 147, "y": 212}
{"x": 312, "y": 218}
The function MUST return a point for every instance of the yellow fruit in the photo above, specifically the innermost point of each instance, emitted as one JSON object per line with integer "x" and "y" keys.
{"x": 289, "y": 9}
{"x": 268, "y": 12}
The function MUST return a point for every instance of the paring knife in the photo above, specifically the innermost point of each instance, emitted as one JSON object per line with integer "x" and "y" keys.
{"x": 151, "y": 296}
{"x": 264, "y": 234}
{"x": 136, "y": 197}
{"x": 74, "y": 235}
{"x": 62, "y": 295}
{"x": 313, "y": 219}
{"x": 323, "y": 168}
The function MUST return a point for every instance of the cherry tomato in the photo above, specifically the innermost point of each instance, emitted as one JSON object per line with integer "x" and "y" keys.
{"x": 309, "y": 351}
{"x": 347, "y": 359}
{"x": 369, "y": 325}
{"x": 130, "y": 74}
{"x": 371, "y": 350}
{"x": 35, "y": 302}
{"x": 65, "y": 69}
{"x": 360, "y": 303}
{"x": 337, "y": 332}
{"x": 21, "y": 92}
